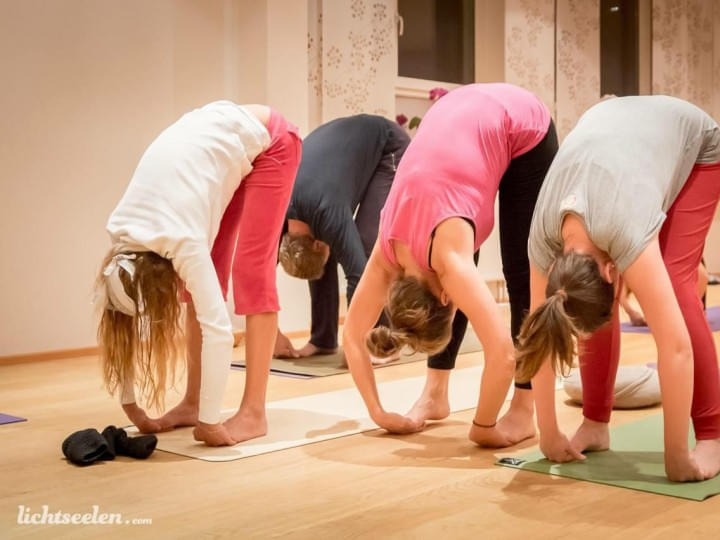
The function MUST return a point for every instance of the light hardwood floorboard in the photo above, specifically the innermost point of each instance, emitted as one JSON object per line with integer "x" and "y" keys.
{"x": 434, "y": 484}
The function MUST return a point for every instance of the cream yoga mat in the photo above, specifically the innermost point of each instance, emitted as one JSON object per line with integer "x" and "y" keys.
{"x": 319, "y": 417}
{"x": 323, "y": 365}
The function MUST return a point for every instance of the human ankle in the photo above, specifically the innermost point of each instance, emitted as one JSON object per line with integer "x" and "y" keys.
{"x": 191, "y": 401}
{"x": 595, "y": 424}
{"x": 437, "y": 382}
{"x": 253, "y": 410}
{"x": 522, "y": 401}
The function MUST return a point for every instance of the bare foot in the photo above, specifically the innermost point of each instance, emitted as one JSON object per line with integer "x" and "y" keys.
{"x": 141, "y": 420}
{"x": 591, "y": 436}
{"x": 517, "y": 424}
{"x": 182, "y": 415}
{"x": 707, "y": 456}
{"x": 433, "y": 403}
{"x": 310, "y": 350}
{"x": 488, "y": 437}
{"x": 245, "y": 424}
{"x": 213, "y": 435}
{"x": 429, "y": 408}
{"x": 284, "y": 347}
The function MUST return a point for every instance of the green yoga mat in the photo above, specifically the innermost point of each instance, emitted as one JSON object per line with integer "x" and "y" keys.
{"x": 635, "y": 461}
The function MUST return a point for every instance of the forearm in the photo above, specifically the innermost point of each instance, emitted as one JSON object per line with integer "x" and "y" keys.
{"x": 194, "y": 266}
{"x": 496, "y": 379}
{"x": 215, "y": 368}
{"x": 362, "y": 373}
{"x": 543, "y": 389}
{"x": 127, "y": 388}
{"x": 676, "y": 386}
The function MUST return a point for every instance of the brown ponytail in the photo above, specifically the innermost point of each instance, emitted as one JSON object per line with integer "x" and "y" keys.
{"x": 417, "y": 319}
{"x": 579, "y": 301}
{"x": 144, "y": 346}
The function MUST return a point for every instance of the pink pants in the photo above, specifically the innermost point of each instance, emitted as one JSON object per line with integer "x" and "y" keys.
{"x": 682, "y": 239}
{"x": 246, "y": 245}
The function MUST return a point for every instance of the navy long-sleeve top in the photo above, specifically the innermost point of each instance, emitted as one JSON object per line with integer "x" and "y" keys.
{"x": 339, "y": 160}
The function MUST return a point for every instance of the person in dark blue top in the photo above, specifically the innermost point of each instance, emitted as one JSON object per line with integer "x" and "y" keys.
{"x": 345, "y": 175}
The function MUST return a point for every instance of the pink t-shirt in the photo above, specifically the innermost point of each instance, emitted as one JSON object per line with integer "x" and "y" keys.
{"x": 454, "y": 165}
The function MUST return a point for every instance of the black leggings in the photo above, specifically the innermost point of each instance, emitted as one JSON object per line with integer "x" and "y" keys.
{"x": 518, "y": 192}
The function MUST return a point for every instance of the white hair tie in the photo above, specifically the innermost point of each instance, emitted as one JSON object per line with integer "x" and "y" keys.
{"x": 119, "y": 300}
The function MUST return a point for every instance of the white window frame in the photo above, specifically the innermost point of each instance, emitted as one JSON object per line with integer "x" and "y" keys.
{"x": 410, "y": 87}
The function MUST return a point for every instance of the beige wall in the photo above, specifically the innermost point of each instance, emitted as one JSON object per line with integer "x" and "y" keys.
{"x": 87, "y": 85}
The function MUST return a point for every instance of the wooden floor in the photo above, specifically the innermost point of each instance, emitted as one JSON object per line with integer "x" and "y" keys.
{"x": 434, "y": 484}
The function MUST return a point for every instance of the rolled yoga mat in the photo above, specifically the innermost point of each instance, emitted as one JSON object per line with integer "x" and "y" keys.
{"x": 712, "y": 314}
{"x": 10, "y": 419}
{"x": 634, "y": 461}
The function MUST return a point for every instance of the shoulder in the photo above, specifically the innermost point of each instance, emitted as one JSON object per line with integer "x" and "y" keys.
{"x": 453, "y": 236}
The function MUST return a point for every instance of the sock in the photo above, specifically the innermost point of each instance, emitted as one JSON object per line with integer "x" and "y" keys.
{"x": 111, "y": 434}
{"x": 140, "y": 447}
{"x": 84, "y": 447}
{"x": 136, "y": 447}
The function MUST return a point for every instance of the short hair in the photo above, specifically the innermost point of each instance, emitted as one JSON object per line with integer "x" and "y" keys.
{"x": 299, "y": 258}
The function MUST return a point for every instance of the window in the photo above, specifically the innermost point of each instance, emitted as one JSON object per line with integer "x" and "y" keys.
{"x": 619, "y": 47}
{"x": 437, "y": 40}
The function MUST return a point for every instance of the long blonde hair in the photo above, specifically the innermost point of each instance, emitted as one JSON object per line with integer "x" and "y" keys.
{"x": 144, "y": 346}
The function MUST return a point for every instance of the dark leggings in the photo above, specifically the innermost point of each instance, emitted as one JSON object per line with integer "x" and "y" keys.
{"x": 518, "y": 192}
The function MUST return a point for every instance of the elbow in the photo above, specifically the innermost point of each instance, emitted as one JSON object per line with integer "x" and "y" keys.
{"x": 349, "y": 338}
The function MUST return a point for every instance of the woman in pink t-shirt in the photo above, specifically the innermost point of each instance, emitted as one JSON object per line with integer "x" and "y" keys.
{"x": 477, "y": 142}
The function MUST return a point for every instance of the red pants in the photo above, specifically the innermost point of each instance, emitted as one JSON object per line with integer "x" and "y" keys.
{"x": 682, "y": 239}
{"x": 247, "y": 242}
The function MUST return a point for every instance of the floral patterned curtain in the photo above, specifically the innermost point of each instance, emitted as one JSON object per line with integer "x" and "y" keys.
{"x": 686, "y": 51}
{"x": 577, "y": 85}
{"x": 552, "y": 47}
{"x": 352, "y": 52}
{"x": 530, "y": 47}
